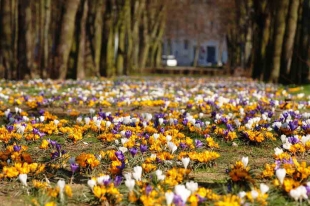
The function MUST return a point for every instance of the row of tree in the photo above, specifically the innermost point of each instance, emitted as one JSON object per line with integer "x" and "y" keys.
{"x": 79, "y": 38}
{"x": 271, "y": 39}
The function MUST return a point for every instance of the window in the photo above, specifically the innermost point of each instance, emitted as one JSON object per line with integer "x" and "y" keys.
{"x": 186, "y": 44}
{"x": 211, "y": 54}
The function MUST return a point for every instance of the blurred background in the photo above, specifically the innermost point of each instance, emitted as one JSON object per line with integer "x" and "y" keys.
{"x": 59, "y": 39}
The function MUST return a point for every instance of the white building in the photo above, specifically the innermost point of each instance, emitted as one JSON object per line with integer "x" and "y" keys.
{"x": 212, "y": 52}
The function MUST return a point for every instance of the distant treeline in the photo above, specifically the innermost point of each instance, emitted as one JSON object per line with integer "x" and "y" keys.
{"x": 79, "y": 38}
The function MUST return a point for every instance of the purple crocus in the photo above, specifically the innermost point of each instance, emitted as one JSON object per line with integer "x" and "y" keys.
{"x": 308, "y": 189}
{"x": 198, "y": 143}
{"x": 128, "y": 133}
{"x": 183, "y": 145}
{"x": 293, "y": 140}
{"x": 133, "y": 151}
{"x": 293, "y": 125}
{"x": 74, "y": 167}
{"x": 118, "y": 180}
{"x": 17, "y": 148}
{"x": 120, "y": 156}
{"x": 148, "y": 189}
{"x": 10, "y": 128}
{"x": 143, "y": 148}
{"x": 52, "y": 142}
{"x": 177, "y": 200}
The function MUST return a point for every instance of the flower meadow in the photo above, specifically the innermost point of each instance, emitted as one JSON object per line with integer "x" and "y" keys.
{"x": 142, "y": 141}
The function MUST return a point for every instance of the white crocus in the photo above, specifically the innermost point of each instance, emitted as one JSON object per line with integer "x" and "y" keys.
{"x": 91, "y": 183}
{"x": 107, "y": 124}
{"x": 87, "y": 120}
{"x": 56, "y": 122}
{"x": 79, "y": 119}
{"x": 124, "y": 140}
{"x": 280, "y": 173}
{"x": 299, "y": 193}
{"x": 287, "y": 145}
{"x": 159, "y": 175}
{"x": 169, "y": 197}
{"x": 245, "y": 161}
{"x": 172, "y": 147}
{"x": 182, "y": 192}
{"x": 91, "y": 111}
{"x": 278, "y": 151}
{"x": 41, "y": 118}
{"x": 61, "y": 184}
{"x": 185, "y": 161}
{"x": 128, "y": 176}
{"x": 23, "y": 179}
{"x": 160, "y": 121}
{"x": 130, "y": 184}
{"x": 168, "y": 138}
{"x": 123, "y": 149}
{"x": 254, "y": 194}
{"x": 263, "y": 188}
{"x": 137, "y": 172}
{"x": 155, "y": 136}
{"x": 283, "y": 138}
{"x": 192, "y": 186}
{"x": 20, "y": 129}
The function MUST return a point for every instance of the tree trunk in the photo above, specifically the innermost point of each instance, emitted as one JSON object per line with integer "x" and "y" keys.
{"x": 47, "y": 19}
{"x": 98, "y": 35}
{"x": 289, "y": 37}
{"x": 80, "y": 69}
{"x": 146, "y": 43}
{"x": 278, "y": 39}
{"x": 137, "y": 18}
{"x": 121, "y": 38}
{"x": 66, "y": 36}
{"x": 6, "y": 39}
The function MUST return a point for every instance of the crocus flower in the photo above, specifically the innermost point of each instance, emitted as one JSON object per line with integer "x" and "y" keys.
{"x": 280, "y": 173}
{"x": 23, "y": 179}
{"x": 137, "y": 172}
{"x": 148, "y": 189}
{"x": 263, "y": 188}
{"x": 245, "y": 161}
{"x": 133, "y": 151}
{"x": 118, "y": 180}
{"x": 91, "y": 183}
{"x": 143, "y": 148}
{"x": 17, "y": 148}
{"x": 182, "y": 192}
{"x": 120, "y": 156}
{"x": 299, "y": 193}
{"x": 74, "y": 167}
{"x": 172, "y": 147}
{"x": 169, "y": 197}
{"x": 61, "y": 184}
{"x": 198, "y": 143}
{"x": 130, "y": 184}
{"x": 185, "y": 161}
{"x": 159, "y": 175}
{"x": 192, "y": 186}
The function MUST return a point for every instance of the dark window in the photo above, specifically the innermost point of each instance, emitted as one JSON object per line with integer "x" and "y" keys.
{"x": 211, "y": 54}
{"x": 186, "y": 44}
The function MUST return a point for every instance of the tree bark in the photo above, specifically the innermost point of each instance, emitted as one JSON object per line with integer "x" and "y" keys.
{"x": 278, "y": 39}
{"x": 66, "y": 36}
{"x": 289, "y": 38}
{"x": 6, "y": 39}
{"x": 80, "y": 70}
